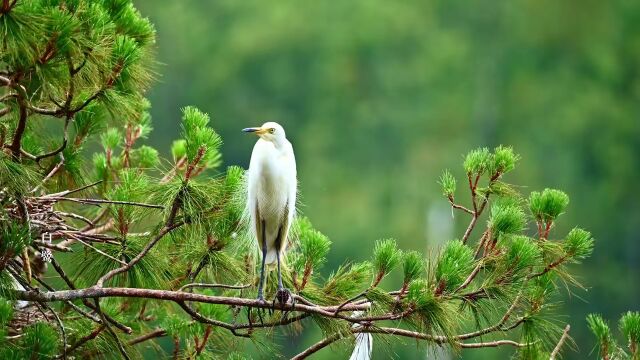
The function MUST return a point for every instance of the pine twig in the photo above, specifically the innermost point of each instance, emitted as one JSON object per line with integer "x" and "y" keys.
{"x": 563, "y": 338}
{"x": 213, "y": 286}
{"x": 103, "y": 201}
{"x": 152, "y": 335}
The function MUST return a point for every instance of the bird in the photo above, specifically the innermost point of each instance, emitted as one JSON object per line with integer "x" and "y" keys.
{"x": 271, "y": 198}
{"x": 364, "y": 341}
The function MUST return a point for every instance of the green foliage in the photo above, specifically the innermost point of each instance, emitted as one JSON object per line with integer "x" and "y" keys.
{"x": 386, "y": 256}
{"x": 630, "y": 328}
{"x": 448, "y": 183}
{"x": 176, "y": 325}
{"x": 432, "y": 314}
{"x": 6, "y": 312}
{"x": 198, "y": 135}
{"x": 40, "y": 340}
{"x": 548, "y": 204}
{"x": 313, "y": 246}
{"x": 507, "y": 217}
{"x": 602, "y": 332}
{"x": 6, "y": 285}
{"x": 111, "y": 139}
{"x": 346, "y": 281}
{"x": 89, "y": 122}
{"x": 503, "y": 160}
{"x": 146, "y": 157}
{"x": 477, "y": 161}
{"x": 454, "y": 264}
{"x": 15, "y": 236}
{"x": 179, "y": 149}
{"x": 412, "y": 266}
{"x": 520, "y": 255}
{"x": 150, "y": 272}
{"x": 17, "y": 179}
{"x": 539, "y": 333}
{"x": 540, "y": 289}
{"x": 578, "y": 244}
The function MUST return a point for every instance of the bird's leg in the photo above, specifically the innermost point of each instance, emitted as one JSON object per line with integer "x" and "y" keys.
{"x": 282, "y": 295}
{"x": 264, "y": 255}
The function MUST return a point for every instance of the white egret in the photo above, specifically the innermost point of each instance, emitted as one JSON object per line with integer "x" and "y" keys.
{"x": 271, "y": 197}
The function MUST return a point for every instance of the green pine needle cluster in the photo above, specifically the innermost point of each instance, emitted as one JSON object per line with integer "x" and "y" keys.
{"x": 629, "y": 326}
{"x": 481, "y": 161}
{"x": 346, "y": 282}
{"x": 313, "y": 247}
{"x": 6, "y": 312}
{"x": 602, "y": 332}
{"x": 43, "y": 340}
{"x": 520, "y": 255}
{"x": 412, "y": 266}
{"x": 198, "y": 136}
{"x": 507, "y": 217}
{"x": 503, "y": 160}
{"x": 454, "y": 264}
{"x": 578, "y": 244}
{"x": 448, "y": 183}
{"x": 477, "y": 161}
{"x": 386, "y": 256}
{"x": 15, "y": 237}
{"x": 548, "y": 204}
{"x": 432, "y": 315}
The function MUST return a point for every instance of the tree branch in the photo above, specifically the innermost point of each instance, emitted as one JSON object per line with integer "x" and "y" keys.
{"x": 563, "y": 338}
{"x": 397, "y": 332}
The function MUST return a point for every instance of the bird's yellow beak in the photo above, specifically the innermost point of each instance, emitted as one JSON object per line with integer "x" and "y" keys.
{"x": 257, "y": 130}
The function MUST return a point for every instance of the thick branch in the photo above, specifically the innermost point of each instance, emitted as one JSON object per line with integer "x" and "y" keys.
{"x": 176, "y": 296}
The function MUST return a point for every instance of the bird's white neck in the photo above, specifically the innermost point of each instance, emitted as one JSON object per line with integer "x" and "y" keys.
{"x": 279, "y": 143}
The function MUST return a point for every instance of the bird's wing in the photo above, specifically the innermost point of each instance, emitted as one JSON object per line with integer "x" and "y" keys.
{"x": 281, "y": 241}
{"x": 257, "y": 223}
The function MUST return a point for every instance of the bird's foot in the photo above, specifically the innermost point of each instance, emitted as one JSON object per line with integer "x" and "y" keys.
{"x": 261, "y": 299}
{"x": 282, "y": 297}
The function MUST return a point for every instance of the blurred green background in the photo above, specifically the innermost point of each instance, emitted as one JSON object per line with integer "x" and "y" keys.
{"x": 378, "y": 97}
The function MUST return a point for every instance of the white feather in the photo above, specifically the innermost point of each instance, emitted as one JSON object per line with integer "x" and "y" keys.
{"x": 364, "y": 343}
{"x": 272, "y": 187}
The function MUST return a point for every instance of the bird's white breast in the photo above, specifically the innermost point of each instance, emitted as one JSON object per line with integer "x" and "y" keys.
{"x": 272, "y": 179}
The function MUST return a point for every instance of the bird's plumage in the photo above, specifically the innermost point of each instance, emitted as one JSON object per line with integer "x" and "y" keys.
{"x": 272, "y": 188}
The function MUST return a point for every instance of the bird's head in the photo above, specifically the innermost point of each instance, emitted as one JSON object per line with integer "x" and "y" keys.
{"x": 269, "y": 131}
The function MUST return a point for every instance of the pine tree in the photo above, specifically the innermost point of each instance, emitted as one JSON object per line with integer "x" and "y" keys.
{"x": 136, "y": 248}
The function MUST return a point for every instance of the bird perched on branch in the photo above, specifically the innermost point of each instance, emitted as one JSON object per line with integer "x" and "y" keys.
{"x": 271, "y": 197}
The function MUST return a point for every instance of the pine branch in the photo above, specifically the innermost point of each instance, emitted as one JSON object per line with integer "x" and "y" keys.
{"x": 83, "y": 340}
{"x": 213, "y": 286}
{"x": 152, "y": 335}
{"x": 563, "y": 338}
{"x": 397, "y": 332}
{"x": 101, "y": 201}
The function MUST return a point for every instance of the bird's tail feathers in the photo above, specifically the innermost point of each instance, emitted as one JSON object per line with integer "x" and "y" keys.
{"x": 272, "y": 258}
{"x": 364, "y": 343}
{"x": 362, "y": 350}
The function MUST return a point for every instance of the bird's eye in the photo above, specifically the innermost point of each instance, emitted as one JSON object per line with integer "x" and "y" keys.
{"x": 272, "y": 130}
